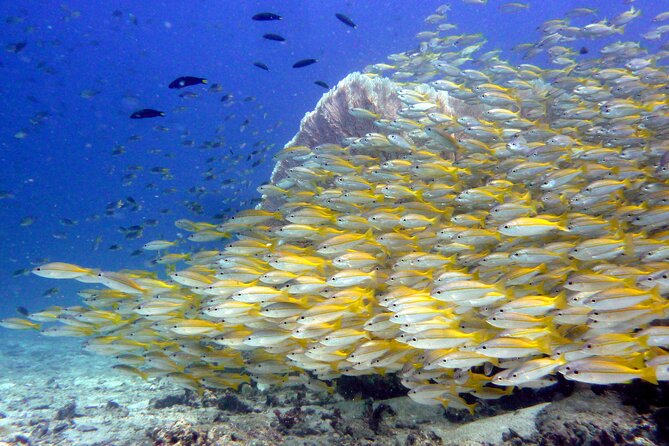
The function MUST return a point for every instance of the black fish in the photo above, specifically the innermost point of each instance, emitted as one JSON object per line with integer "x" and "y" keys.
{"x": 346, "y": 20}
{"x": 22, "y": 310}
{"x": 187, "y": 81}
{"x": 16, "y": 47}
{"x": 304, "y": 63}
{"x": 225, "y": 97}
{"x": 583, "y": 50}
{"x": 275, "y": 37}
{"x": 266, "y": 17}
{"x": 261, "y": 65}
{"x": 322, "y": 84}
{"x": 146, "y": 113}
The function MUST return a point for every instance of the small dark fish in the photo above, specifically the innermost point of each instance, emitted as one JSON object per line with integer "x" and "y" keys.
{"x": 304, "y": 63}
{"x": 187, "y": 81}
{"x": 225, "y": 97}
{"x": 266, "y": 17}
{"x": 344, "y": 19}
{"x": 216, "y": 88}
{"x": 21, "y": 272}
{"x": 51, "y": 292}
{"x": 275, "y": 37}
{"x": 16, "y": 47}
{"x": 97, "y": 242}
{"x": 261, "y": 65}
{"x": 583, "y": 50}
{"x": 322, "y": 84}
{"x": 146, "y": 113}
{"x": 22, "y": 310}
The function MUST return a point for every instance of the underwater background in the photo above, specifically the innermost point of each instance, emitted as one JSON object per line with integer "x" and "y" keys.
{"x": 81, "y": 182}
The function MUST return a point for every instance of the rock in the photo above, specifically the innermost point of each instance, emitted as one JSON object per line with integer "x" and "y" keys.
{"x": 586, "y": 419}
{"x": 423, "y": 438}
{"x": 180, "y": 433}
{"x": 184, "y": 399}
{"x": 22, "y": 439}
{"x": 116, "y": 410}
{"x": 232, "y": 403}
{"x": 41, "y": 429}
{"x": 60, "y": 427}
{"x": 66, "y": 412}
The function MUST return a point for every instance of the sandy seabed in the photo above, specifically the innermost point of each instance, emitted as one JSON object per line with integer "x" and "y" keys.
{"x": 53, "y": 393}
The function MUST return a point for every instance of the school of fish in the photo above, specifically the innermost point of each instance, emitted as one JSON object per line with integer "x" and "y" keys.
{"x": 469, "y": 254}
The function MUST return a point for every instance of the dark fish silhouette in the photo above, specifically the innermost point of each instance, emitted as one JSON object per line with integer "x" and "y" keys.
{"x": 275, "y": 37}
{"x": 187, "y": 81}
{"x": 304, "y": 63}
{"x": 16, "y": 47}
{"x": 266, "y": 17}
{"x": 322, "y": 84}
{"x": 22, "y": 310}
{"x": 261, "y": 65}
{"x": 146, "y": 113}
{"x": 346, "y": 20}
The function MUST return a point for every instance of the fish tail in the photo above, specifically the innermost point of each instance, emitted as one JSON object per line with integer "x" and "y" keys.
{"x": 649, "y": 374}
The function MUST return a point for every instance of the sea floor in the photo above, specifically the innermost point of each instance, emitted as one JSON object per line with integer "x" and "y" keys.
{"x": 53, "y": 393}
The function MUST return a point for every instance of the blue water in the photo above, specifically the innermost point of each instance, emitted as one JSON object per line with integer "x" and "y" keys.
{"x": 128, "y": 52}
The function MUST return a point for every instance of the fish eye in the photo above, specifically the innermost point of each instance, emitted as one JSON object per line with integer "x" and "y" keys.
{"x": 588, "y": 346}
{"x": 506, "y": 226}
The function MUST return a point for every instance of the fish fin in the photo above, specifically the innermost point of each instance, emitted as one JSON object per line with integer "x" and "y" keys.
{"x": 561, "y": 299}
{"x": 544, "y": 345}
{"x": 649, "y": 375}
{"x": 629, "y": 246}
